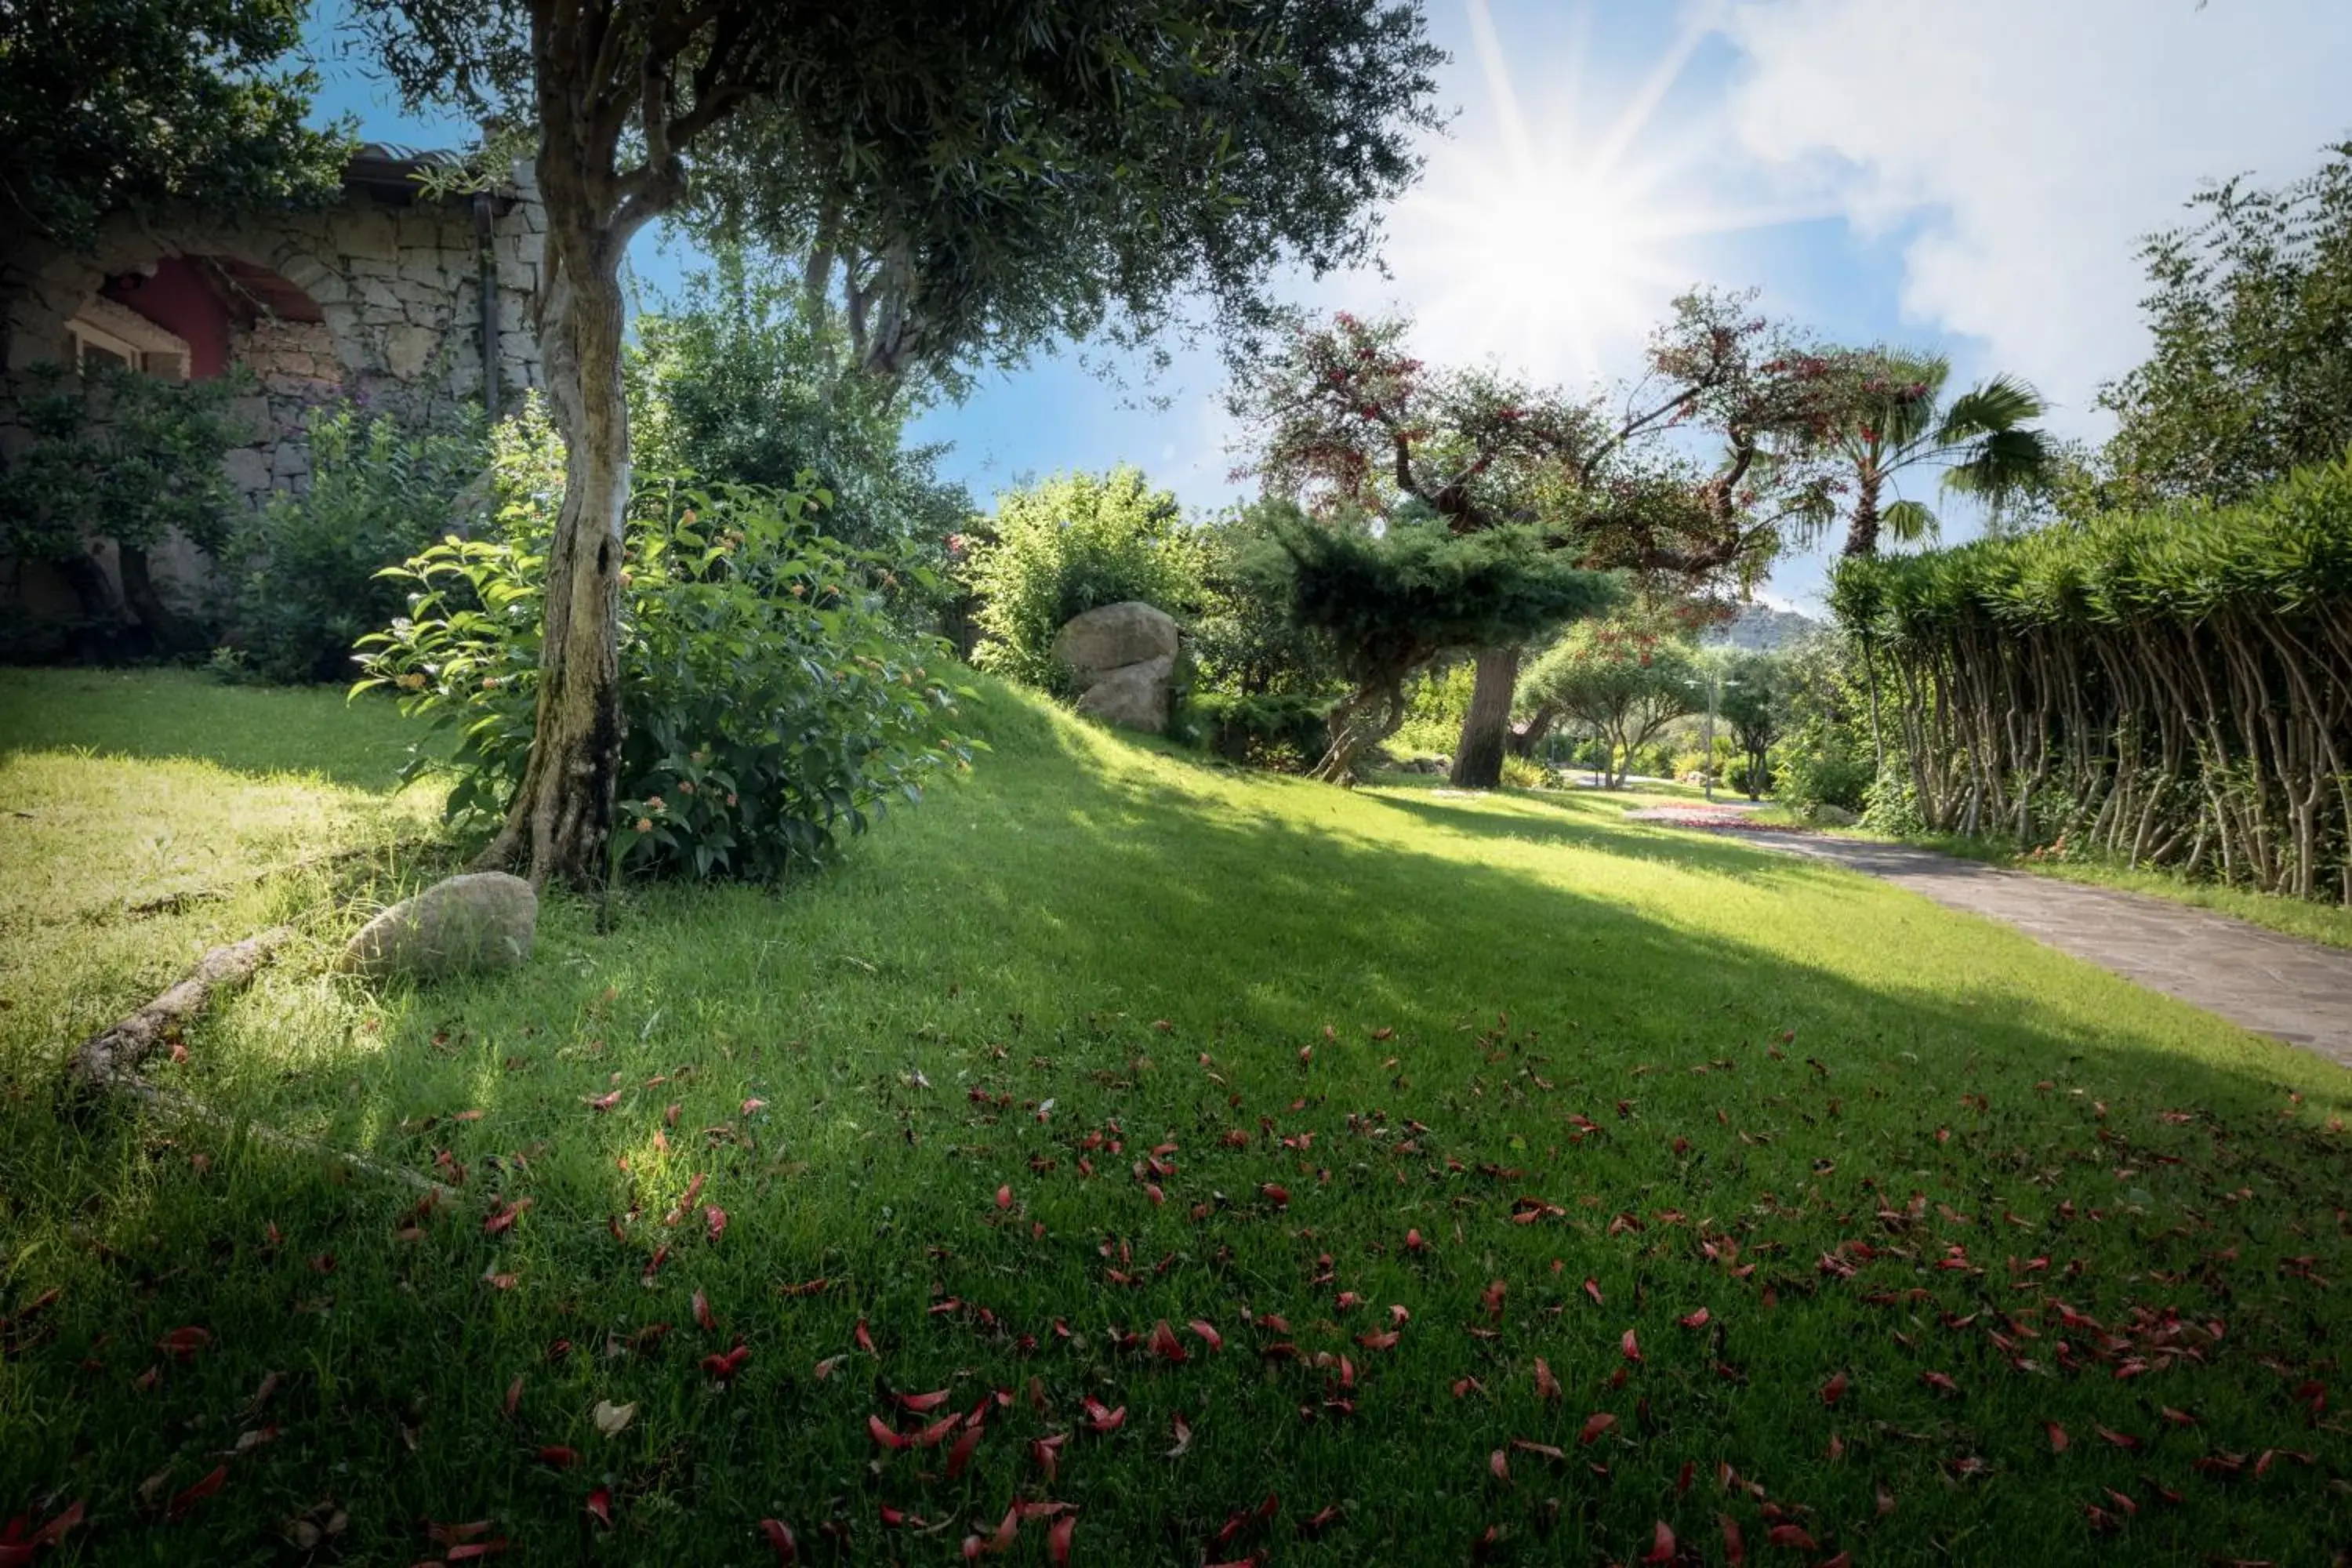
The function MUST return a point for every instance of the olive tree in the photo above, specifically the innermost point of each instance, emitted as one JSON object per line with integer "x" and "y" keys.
{"x": 1342, "y": 415}
{"x": 967, "y": 180}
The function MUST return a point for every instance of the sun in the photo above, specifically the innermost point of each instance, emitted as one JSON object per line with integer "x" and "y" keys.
{"x": 1554, "y": 244}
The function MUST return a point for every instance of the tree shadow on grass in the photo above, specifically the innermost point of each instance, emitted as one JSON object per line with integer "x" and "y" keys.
{"x": 1021, "y": 939}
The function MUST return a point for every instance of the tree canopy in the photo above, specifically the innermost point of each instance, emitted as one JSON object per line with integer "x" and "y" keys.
{"x": 1030, "y": 167}
{"x": 1390, "y": 601}
{"x": 132, "y": 103}
{"x": 2250, "y": 376}
{"x": 1624, "y": 678}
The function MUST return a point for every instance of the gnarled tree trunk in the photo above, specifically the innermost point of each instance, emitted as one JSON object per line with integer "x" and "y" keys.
{"x": 562, "y": 812}
{"x": 1486, "y": 728}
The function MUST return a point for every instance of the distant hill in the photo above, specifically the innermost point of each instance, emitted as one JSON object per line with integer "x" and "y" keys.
{"x": 1760, "y": 628}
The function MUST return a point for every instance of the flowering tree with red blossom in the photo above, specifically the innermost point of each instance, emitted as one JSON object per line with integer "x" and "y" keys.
{"x": 1691, "y": 479}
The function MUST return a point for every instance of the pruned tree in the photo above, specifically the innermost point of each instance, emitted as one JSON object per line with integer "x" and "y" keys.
{"x": 1621, "y": 678}
{"x": 1390, "y": 602}
{"x": 979, "y": 178}
{"x": 1343, "y": 416}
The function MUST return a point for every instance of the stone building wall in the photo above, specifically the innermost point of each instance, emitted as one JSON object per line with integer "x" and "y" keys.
{"x": 391, "y": 287}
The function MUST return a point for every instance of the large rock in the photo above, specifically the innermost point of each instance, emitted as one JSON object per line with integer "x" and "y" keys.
{"x": 1137, "y": 695}
{"x": 1114, "y": 636}
{"x": 483, "y": 920}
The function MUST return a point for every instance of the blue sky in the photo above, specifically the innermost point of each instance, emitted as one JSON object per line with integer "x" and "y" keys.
{"x": 1965, "y": 175}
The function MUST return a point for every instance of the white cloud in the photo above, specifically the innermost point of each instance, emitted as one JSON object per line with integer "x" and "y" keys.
{"x": 2035, "y": 142}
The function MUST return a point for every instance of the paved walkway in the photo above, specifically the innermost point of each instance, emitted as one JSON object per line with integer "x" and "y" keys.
{"x": 2273, "y": 985}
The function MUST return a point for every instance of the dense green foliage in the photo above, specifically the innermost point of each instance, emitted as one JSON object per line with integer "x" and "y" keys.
{"x": 129, "y": 458}
{"x": 1624, "y": 678}
{"x": 2251, "y": 373}
{"x": 130, "y": 104}
{"x": 1752, "y": 698}
{"x": 1390, "y": 602}
{"x": 735, "y": 380}
{"x": 772, "y": 703}
{"x": 308, "y": 568}
{"x": 1824, "y": 755}
{"x": 2173, "y": 687}
{"x": 898, "y": 1031}
{"x": 1072, "y": 544}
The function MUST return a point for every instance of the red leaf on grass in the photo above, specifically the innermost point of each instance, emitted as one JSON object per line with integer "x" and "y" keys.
{"x": 195, "y": 1494}
{"x": 866, "y": 1340}
{"x": 965, "y": 1447}
{"x": 182, "y": 1344}
{"x": 1166, "y": 1345}
{"x": 1101, "y": 1418}
{"x": 1209, "y": 1335}
{"x": 558, "y": 1456}
{"x": 1183, "y": 1430}
{"x": 714, "y": 1220}
{"x": 723, "y": 1368}
{"x": 1792, "y": 1535}
{"x": 477, "y": 1548}
{"x": 1547, "y": 1450}
{"x": 1413, "y": 1243}
{"x": 1057, "y": 1540}
{"x": 1594, "y": 1425}
{"x": 1380, "y": 1341}
{"x": 600, "y": 1506}
{"x": 1323, "y": 1520}
{"x": 1834, "y": 1389}
{"x": 1940, "y": 1382}
{"x": 1499, "y": 1465}
{"x": 2058, "y": 1438}
{"x": 921, "y": 1404}
{"x": 932, "y": 1435}
{"x": 1661, "y": 1544}
{"x": 1735, "y": 1546}
{"x": 1491, "y": 1297}
{"x": 1547, "y": 1385}
{"x": 881, "y": 1432}
{"x": 2120, "y": 1439}
{"x": 514, "y": 1395}
{"x": 1047, "y": 1452}
{"x": 1630, "y": 1346}
{"x": 1280, "y": 1197}
{"x": 1005, "y": 1196}
{"x": 604, "y": 1102}
{"x": 779, "y": 1536}
{"x": 1592, "y": 1288}
{"x": 1697, "y": 1319}
{"x": 653, "y": 1264}
{"x": 702, "y": 1318}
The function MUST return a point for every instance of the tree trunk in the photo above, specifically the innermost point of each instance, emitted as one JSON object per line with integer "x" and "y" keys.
{"x": 1525, "y": 741}
{"x": 563, "y": 810}
{"x": 1861, "y": 530}
{"x": 1486, "y": 728}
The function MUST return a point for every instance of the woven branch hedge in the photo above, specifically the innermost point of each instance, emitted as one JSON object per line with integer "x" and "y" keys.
{"x": 2171, "y": 689}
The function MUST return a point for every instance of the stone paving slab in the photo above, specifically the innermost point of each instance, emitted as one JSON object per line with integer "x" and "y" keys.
{"x": 2261, "y": 980}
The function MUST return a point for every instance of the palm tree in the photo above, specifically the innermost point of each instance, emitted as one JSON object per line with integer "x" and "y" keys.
{"x": 1980, "y": 439}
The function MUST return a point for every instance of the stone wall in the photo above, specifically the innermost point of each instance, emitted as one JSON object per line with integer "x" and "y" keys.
{"x": 396, "y": 289}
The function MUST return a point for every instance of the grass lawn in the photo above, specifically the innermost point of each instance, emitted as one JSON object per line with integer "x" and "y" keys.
{"x": 1548, "y": 1182}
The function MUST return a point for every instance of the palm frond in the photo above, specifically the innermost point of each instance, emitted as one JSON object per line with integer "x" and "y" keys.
{"x": 2001, "y": 404}
{"x": 1908, "y": 521}
{"x": 2002, "y": 464}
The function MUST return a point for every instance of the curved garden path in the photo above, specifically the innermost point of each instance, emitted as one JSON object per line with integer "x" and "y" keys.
{"x": 2273, "y": 985}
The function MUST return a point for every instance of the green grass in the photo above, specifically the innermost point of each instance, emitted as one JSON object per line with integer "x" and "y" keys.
{"x": 1412, "y": 1011}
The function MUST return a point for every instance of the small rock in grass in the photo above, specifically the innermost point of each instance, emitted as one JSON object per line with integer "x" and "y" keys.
{"x": 483, "y": 920}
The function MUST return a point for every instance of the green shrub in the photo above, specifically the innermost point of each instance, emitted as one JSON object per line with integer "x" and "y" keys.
{"x": 1524, "y": 772}
{"x": 1069, "y": 544}
{"x": 1823, "y": 764}
{"x": 309, "y": 568}
{"x": 1282, "y": 732}
{"x": 1744, "y": 775}
{"x": 770, "y": 702}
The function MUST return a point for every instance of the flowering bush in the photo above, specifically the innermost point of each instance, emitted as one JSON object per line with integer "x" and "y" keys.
{"x": 770, "y": 704}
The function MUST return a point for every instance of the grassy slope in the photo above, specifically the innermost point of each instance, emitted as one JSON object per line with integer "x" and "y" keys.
{"x": 1018, "y": 936}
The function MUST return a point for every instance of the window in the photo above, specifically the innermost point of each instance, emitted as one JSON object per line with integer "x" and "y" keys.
{"x": 104, "y": 333}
